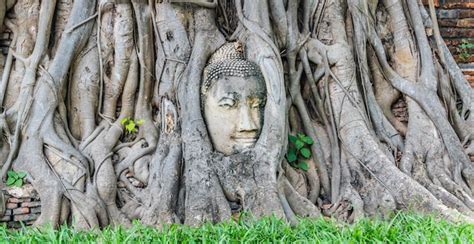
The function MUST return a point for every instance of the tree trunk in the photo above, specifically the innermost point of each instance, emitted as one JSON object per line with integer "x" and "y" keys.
{"x": 105, "y": 107}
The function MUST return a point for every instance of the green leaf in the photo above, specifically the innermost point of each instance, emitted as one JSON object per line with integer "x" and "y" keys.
{"x": 124, "y": 121}
{"x": 12, "y": 174}
{"x": 299, "y": 144}
{"x": 300, "y": 135}
{"x": 292, "y": 155}
{"x": 305, "y": 152}
{"x": 303, "y": 165}
{"x": 19, "y": 182}
{"x": 21, "y": 174}
{"x": 130, "y": 127}
{"x": 292, "y": 138}
{"x": 308, "y": 140}
{"x": 10, "y": 181}
{"x": 140, "y": 122}
{"x": 466, "y": 45}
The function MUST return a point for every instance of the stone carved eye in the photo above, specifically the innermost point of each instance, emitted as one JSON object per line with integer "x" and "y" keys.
{"x": 227, "y": 102}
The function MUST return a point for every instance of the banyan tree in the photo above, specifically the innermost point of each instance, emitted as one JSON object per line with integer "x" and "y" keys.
{"x": 188, "y": 111}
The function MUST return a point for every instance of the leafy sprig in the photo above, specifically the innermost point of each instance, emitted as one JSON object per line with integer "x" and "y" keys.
{"x": 464, "y": 50}
{"x": 131, "y": 126}
{"x": 15, "y": 178}
{"x": 299, "y": 150}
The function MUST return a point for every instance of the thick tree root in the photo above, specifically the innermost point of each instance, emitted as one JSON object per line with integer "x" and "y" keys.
{"x": 108, "y": 123}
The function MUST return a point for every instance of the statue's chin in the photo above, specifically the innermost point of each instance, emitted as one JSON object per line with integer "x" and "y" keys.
{"x": 235, "y": 145}
{"x": 245, "y": 142}
{"x": 241, "y": 146}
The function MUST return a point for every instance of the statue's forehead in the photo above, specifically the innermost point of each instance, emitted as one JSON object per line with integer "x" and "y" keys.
{"x": 242, "y": 86}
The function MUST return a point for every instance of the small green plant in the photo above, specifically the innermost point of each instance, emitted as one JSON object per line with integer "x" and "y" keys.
{"x": 464, "y": 50}
{"x": 131, "y": 126}
{"x": 299, "y": 150}
{"x": 15, "y": 178}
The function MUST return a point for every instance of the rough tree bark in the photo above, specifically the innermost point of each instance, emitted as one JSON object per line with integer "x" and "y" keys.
{"x": 101, "y": 106}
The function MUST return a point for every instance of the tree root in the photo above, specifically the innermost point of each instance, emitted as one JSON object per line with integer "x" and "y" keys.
{"x": 332, "y": 70}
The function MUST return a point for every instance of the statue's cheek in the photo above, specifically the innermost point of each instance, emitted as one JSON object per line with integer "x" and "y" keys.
{"x": 257, "y": 116}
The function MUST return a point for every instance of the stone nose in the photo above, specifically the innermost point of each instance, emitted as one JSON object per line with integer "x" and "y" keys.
{"x": 246, "y": 121}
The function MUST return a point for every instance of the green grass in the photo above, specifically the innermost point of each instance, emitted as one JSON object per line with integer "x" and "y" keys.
{"x": 402, "y": 228}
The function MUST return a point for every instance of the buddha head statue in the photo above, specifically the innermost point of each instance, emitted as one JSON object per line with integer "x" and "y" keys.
{"x": 233, "y": 96}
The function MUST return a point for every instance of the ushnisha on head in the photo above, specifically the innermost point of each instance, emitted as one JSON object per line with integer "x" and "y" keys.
{"x": 229, "y": 60}
{"x": 233, "y": 96}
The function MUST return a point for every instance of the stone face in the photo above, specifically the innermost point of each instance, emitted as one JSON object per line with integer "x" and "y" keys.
{"x": 234, "y": 113}
{"x": 233, "y": 95}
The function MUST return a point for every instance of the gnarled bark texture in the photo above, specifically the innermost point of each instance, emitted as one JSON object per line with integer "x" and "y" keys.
{"x": 101, "y": 106}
